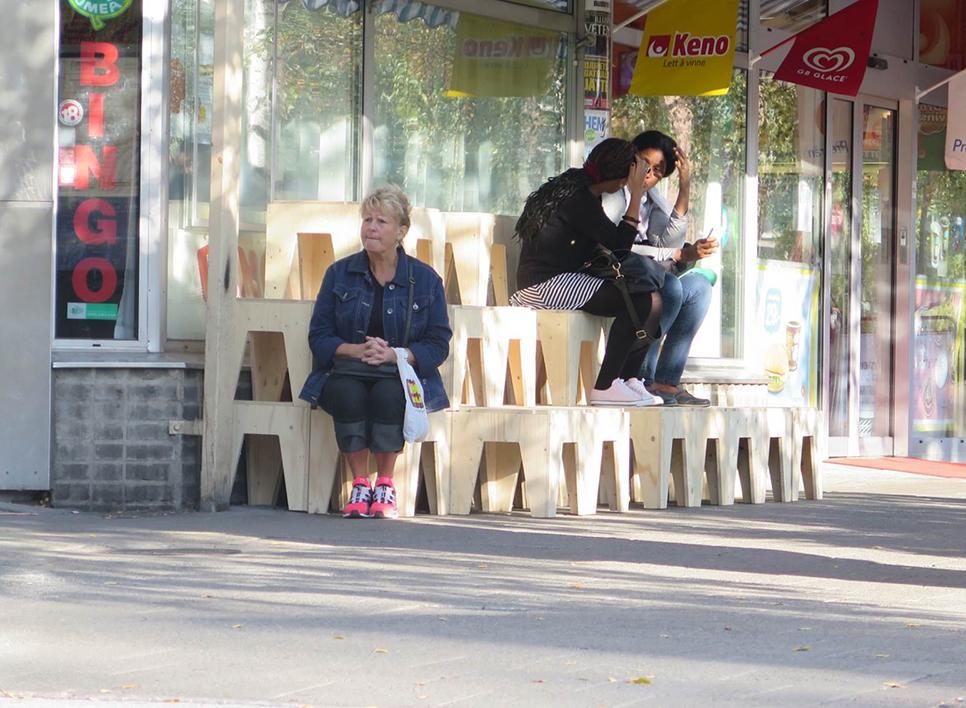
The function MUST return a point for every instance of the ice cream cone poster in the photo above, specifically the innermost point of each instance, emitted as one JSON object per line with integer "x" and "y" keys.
{"x": 787, "y": 322}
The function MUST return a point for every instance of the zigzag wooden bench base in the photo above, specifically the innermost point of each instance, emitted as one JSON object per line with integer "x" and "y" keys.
{"x": 551, "y": 444}
{"x": 688, "y": 447}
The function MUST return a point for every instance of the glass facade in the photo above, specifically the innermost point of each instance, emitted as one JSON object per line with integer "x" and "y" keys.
{"x": 461, "y": 134}
{"x": 938, "y": 404}
{"x": 468, "y": 114}
{"x": 791, "y": 169}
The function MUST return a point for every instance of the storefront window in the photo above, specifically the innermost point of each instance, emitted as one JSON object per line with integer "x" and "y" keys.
{"x": 938, "y": 405}
{"x": 318, "y": 103}
{"x": 97, "y": 243}
{"x": 470, "y": 113}
{"x": 791, "y": 164}
{"x": 712, "y": 131}
{"x": 839, "y": 253}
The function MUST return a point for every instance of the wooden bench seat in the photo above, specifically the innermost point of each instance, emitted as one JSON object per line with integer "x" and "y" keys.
{"x": 564, "y": 450}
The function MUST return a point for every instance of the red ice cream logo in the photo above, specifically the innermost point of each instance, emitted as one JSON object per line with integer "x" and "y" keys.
{"x": 659, "y": 45}
{"x": 829, "y": 60}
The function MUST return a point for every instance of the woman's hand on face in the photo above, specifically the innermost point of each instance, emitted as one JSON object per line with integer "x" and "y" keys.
{"x": 635, "y": 178}
{"x": 683, "y": 166}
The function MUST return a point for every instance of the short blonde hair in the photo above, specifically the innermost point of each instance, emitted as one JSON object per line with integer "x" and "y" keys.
{"x": 388, "y": 199}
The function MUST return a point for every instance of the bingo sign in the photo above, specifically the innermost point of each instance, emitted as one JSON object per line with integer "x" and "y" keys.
{"x": 100, "y": 10}
{"x": 98, "y": 171}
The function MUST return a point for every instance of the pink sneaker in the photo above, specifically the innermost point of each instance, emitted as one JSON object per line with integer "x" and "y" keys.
{"x": 359, "y": 500}
{"x": 384, "y": 500}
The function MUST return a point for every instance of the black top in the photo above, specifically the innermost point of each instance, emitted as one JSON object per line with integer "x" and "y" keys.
{"x": 569, "y": 238}
{"x": 375, "y": 320}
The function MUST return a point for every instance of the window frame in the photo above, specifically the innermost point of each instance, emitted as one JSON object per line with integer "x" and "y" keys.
{"x": 152, "y": 188}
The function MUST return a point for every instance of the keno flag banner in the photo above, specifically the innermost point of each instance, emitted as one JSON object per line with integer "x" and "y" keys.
{"x": 956, "y": 124}
{"x": 832, "y": 55}
{"x": 687, "y": 50}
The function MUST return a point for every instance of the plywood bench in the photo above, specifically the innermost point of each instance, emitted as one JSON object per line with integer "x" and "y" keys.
{"x": 698, "y": 449}
{"x": 553, "y": 446}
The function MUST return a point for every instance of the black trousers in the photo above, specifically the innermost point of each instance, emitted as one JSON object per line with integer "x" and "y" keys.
{"x": 625, "y": 353}
{"x": 368, "y": 412}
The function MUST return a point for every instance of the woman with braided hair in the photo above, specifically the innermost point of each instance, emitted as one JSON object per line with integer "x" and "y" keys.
{"x": 561, "y": 227}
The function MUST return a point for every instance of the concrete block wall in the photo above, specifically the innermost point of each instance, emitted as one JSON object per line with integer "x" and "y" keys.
{"x": 111, "y": 446}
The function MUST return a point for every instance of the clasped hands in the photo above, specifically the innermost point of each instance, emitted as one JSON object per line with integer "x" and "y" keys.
{"x": 376, "y": 351}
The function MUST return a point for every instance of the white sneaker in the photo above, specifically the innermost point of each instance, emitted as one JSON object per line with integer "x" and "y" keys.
{"x": 647, "y": 398}
{"x": 618, "y": 394}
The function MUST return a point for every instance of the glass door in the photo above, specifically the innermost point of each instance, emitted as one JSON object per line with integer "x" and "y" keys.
{"x": 860, "y": 322}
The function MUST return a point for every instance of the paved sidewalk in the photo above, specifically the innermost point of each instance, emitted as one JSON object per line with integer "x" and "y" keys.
{"x": 859, "y": 599}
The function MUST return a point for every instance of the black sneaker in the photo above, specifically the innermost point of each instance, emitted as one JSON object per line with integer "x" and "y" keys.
{"x": 683, "y": 398}
{"x": 669, "y": 399}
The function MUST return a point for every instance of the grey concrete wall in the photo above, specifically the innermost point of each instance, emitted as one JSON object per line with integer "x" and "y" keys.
{"x": 27, "y": 141}
{"x": 112, "y": 449}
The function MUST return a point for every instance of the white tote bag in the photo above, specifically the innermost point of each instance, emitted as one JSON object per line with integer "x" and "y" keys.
{"x": 416, "y": 422}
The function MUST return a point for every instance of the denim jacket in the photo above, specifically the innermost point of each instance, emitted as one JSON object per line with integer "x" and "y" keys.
{"x": 343, "y": 309}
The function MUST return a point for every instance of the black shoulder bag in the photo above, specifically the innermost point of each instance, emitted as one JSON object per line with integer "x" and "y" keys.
{"x": 632, "y": 274}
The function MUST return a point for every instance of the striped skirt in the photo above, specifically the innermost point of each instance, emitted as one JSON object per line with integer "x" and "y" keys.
{"x": 566, "y": 291}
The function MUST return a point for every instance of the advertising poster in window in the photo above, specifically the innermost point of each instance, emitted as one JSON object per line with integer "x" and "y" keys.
{"x": 787, "y": 325}
{"x": 597, "y": 22}
{"x": 937, "y": 390}
{"x": 98, "y": 170}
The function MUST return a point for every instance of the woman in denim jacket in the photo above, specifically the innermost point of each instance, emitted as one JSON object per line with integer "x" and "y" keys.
{"x": 360, "y": 315}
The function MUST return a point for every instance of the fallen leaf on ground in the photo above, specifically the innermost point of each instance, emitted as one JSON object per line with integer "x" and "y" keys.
{"x": 577, "y": 586}
{"x": 237, "y": 626}
{"x": 893, "y": 684}
{"x": 380, "y": 650}
{"x": 338, "y": 636}
{"x": 641, "y": 681}
{"x": 804, "y": 647}
{"x": 537, "y": 681}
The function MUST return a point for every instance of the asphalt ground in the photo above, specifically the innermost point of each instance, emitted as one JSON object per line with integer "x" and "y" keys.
{"x": 858, "y": 599}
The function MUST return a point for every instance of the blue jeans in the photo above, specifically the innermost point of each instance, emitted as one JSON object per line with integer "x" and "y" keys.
{"x": 686, "y": 301}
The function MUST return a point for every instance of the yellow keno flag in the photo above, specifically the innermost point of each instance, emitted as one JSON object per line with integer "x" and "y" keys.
{"x": 687, "y": 50}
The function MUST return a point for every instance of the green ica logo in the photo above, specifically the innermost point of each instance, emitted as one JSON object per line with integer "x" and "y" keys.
{"x": 100, "y": 10}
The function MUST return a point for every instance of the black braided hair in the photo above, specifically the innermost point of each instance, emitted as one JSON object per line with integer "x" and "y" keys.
{"x": 612, "y": 159}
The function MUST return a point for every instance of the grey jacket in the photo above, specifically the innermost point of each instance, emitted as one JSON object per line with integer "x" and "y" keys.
{"x": 662, "y": 229}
